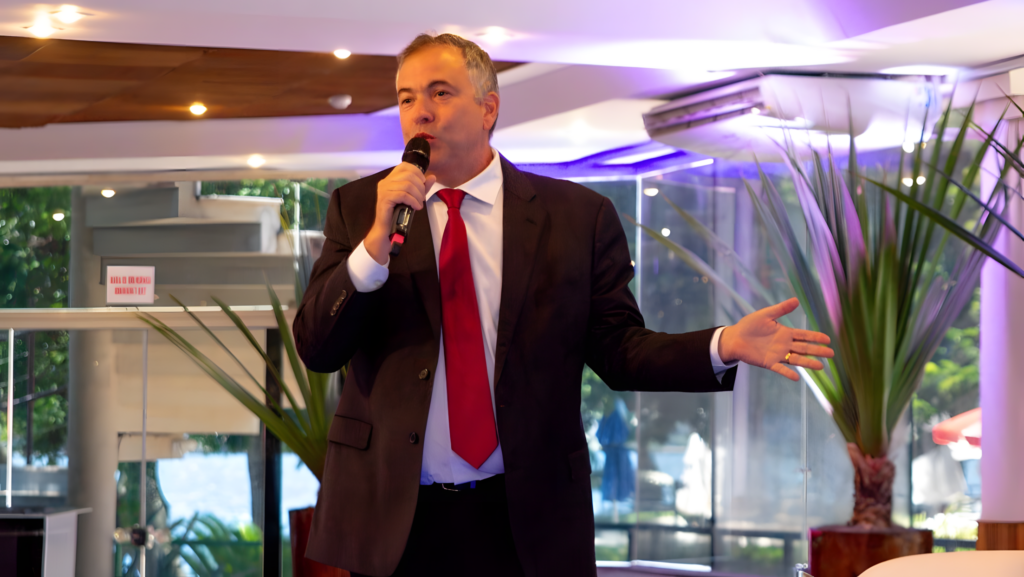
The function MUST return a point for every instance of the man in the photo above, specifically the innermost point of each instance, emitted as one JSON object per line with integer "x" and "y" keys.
{"x": 457, "y": 447}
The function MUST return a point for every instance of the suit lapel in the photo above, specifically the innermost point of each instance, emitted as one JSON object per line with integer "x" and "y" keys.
{"x": 418, "y": 258}
{"x": 523, "y": 221}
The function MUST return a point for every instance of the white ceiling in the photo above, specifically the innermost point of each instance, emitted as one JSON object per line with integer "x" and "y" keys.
{"x": 588, "y": 53}
{"x": 690, "y": 34}
{"x": 576, "y": 133}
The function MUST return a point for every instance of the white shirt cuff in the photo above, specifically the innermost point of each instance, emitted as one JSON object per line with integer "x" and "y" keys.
{"x": 367, "y": 274}
{"x": 716, "y": 361}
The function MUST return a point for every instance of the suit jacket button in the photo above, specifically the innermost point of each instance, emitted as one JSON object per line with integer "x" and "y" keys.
{"x": 414, "y": 438}
{"x": 337, "y": 303}
{"x": 424, "y": 374}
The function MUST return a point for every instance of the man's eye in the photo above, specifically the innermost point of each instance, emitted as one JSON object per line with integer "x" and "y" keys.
{"x": 442, "y": 93}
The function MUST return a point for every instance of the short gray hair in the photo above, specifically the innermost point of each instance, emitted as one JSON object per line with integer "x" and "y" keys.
{"x": 478, "y": 63}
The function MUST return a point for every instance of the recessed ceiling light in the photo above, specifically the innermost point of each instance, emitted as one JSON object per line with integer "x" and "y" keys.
{"x": 908, "y": 147}
{"x": 42, "y": 27}
{"x": 908, "y": 181}
{"x": 921, "y": 179}
{"x": 495, "y": 35}
{"x": 58, "y": 215}
{"x": 342, "y": 53}
{"x": 755, "y": 110}
{"x": 651, "y": 191}
{"x": 197, "y": 108}
{"x": 256, "y": 161}
{"x": 108, "y": 192}
{"x": 665, "y": 232}
{"x": 340, "y": 101}
{"x": 69, "y": 14}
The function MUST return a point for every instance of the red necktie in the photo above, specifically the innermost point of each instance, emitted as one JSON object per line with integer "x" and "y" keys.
{"x": 470, "y": 414}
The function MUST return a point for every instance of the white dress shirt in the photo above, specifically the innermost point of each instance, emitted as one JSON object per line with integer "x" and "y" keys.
{"x": 482, "y": 211}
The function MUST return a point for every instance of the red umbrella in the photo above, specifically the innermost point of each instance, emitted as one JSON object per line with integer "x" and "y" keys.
{"x": 965, "y": 426}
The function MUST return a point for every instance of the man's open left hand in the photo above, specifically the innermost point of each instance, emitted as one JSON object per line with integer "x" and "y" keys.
{"x": 759, "y": 339}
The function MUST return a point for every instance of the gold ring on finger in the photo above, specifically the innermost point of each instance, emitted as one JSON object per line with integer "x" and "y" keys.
{"x": 786, "y": 360}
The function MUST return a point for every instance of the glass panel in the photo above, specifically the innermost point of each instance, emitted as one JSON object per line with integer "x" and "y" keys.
{"x": 677, "y": 442}
{"x": 672, "y": 544}
{"x": 766, "y": 436}
{"x": 202, "y": 508}
{"x": 735, "y": 458}
{"x": 198, "y": 488}
{"x": 729, "y": 480}
{"x": 209, "y": 502}
{"x": 34, "y": 268}
{"x": 40, "y": 418}
{"x": 761, "y": 555}
{"x": 35, "y": 246}
{"x": 612, "y": 545}
{"x": 204, "y": 476}
{"x": 946, "y": 488}
{"x": 610, "y": 423}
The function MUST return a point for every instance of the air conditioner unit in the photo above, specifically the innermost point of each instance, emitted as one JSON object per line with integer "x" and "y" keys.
{"x": 751, "y": 118}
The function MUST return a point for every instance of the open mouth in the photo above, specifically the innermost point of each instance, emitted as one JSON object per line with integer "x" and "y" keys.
{"x": 424, "y": 135}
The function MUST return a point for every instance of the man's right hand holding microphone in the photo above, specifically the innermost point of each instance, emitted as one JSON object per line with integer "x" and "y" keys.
{"x": 408, "y": 185}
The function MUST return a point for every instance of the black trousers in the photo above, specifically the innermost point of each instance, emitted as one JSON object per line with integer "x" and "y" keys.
{"x": 461, "y": 533}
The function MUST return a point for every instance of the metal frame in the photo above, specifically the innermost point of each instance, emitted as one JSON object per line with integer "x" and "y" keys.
{"x": 142, "y": 460}
{"x": 8, "y": 488}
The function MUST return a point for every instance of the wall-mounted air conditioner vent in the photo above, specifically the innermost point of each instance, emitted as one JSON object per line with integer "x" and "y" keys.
{"x": 752, "y": 117}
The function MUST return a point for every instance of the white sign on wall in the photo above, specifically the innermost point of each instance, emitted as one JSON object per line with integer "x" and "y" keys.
{"x": 130, "y": 285}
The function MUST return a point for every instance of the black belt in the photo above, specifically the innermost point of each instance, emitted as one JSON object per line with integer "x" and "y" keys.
{"x": 488, "y": 484}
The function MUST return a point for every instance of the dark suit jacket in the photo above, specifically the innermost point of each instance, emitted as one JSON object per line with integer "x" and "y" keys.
{"x": 565, "y": 301}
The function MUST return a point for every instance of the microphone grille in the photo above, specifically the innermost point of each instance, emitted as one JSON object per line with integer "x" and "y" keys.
{"x": 417, "y": 153}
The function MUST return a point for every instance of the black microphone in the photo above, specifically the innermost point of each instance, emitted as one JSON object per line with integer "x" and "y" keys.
{"x": 417, "y": 153}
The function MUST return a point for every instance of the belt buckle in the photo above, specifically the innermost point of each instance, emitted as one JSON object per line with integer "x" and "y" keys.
{"x": 454, "y": 486}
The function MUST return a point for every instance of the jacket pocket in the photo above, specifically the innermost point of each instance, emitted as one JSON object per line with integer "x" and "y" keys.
{"x": 351, "y": 432}
{"x": 579, "y": 464}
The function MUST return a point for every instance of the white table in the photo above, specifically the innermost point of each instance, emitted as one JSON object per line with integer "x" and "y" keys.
{"x": 53, "y": 534}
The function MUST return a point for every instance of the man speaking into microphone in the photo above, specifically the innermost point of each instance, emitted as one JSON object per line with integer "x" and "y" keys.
{"x": 457, "y": 447}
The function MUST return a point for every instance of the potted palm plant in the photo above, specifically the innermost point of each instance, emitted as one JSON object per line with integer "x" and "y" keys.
{"x": 304, "y": 430}
{"x": 885, "y": 270}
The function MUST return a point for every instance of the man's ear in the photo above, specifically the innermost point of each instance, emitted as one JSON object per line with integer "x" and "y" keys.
{"x": 491, "y": 103}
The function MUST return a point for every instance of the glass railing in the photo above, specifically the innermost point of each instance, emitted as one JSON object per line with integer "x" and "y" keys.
{"x": 197, "y": 505}
{"x": 723, "y": 481}
{"x": 200, "y": 495}
{"x": 733, "y": 481}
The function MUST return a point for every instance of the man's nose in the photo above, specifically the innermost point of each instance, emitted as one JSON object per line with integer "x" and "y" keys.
{"x": 423, "y": 112}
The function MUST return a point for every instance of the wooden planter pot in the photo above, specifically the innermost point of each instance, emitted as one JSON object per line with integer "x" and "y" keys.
{"x": 842, "y": 551}
{"x": 300, "y": 521}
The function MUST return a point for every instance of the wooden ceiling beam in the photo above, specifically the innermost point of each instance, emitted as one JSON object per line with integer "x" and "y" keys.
{"x": 48, "y": 81}
{"x": 15, "y": 48}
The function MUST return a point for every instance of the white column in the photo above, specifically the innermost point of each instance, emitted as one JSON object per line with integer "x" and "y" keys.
{"x": 1002, "y": 375}
{"x": 92, "y": 435}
